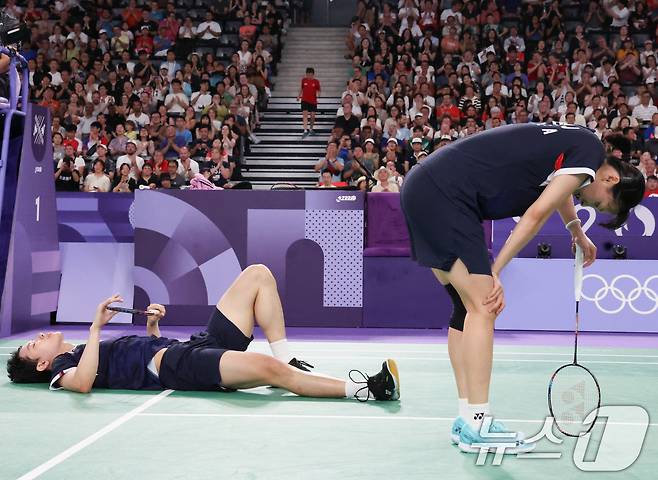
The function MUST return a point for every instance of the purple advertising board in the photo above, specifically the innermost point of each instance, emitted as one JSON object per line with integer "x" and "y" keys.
{"x": 31, "y": 285}
{"x": 96, "y": 243}
{"x": 95, "y": 217}
{"x": 191, "y": 245}
{"x": 617, "y": 296}
{"x": 639, "y": 235}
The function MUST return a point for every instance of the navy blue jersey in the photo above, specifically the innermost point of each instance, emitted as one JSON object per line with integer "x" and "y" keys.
{"x": 122, "y": 363}
{"x": 499, "y": 173}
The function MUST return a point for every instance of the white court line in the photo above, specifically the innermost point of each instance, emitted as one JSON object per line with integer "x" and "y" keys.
{"x": 437, "y": 359}
{"x": 496, "y": 360}
{"x": 496, "y": 352}
{"x": 385, "y": 350}
{"x": 351, "y": 417}
{"x": 44, "y": 467}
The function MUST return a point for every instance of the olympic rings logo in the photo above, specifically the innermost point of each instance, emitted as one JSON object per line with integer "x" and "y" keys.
{"x": 619, "y": 295}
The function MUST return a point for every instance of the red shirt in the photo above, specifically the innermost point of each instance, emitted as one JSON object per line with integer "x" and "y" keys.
{"x": 73, "y": 142}
{"x": 452, "y": 110}
{"x": 651, "y": 192}
{"x": 247, "y": 31}
{"x": 310, "y": 89}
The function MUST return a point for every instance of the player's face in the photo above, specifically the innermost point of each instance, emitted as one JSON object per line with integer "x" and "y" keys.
{"x": 45, "y": 346}
{"x": 598, "y": 194}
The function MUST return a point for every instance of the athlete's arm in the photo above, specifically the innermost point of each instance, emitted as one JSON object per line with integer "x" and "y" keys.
{"x": 81, "y": 378}
{"x": 554, "y": 196}
{"x": 568, "y": 213}
{"x": 152, "y": 321}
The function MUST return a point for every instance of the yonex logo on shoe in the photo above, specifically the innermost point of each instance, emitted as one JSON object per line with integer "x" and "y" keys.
{"x": 478, "y": 416}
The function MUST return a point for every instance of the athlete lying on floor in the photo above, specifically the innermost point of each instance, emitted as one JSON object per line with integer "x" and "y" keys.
{"x": 214, "y": 359}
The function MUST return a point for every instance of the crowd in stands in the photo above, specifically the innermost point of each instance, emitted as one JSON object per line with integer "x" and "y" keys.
{"x": 426, "y": 73}
{"x": 146, "y": 94}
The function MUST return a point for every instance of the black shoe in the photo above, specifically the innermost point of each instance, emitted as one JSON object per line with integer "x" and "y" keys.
{"x": 383, "y": 386}
{"x": 300, "y": 364}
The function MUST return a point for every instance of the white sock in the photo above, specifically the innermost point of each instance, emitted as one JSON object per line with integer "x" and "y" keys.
{"x": 352, "y": 387}
{"x": 463, "y": 408}
{"x": 476, "y": 413}
{"x": 281, "y": 351}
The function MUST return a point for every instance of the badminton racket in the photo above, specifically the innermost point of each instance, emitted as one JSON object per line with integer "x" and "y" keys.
{"x": 133, "y": 311}
{"x": 573, "y": 392}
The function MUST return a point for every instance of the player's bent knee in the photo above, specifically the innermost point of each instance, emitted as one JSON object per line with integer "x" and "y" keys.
{"x": 259, "y": 272}
{"x": 458, "y": 309}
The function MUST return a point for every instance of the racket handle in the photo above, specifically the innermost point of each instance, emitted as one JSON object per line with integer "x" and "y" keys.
{"x": 578, "y": 273}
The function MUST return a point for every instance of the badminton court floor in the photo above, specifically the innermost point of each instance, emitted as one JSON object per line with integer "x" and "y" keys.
{"x": 268, "y": 434}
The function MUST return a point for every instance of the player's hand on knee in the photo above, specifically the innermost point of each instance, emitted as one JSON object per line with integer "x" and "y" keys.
{"x": 495, "y": 301}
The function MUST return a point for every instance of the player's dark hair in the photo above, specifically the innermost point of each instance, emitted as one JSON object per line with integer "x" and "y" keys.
{"x": 20, "y": 370}
{"x": 627, "y": 193}
{"x": 310, "y": 70}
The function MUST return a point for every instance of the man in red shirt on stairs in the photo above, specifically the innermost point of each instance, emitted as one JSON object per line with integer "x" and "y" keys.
{"x": 308, "y": 94}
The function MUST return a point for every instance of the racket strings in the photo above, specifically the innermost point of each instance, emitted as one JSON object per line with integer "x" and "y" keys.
{"x": 574, "y": 395}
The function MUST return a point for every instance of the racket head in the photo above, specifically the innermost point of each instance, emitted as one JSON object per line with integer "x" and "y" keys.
{"x": 573, "y": 393}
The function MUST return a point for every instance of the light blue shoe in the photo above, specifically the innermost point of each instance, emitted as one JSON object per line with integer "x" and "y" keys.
{"x": 456, "y": 430}
{"x": 469, "y": 438}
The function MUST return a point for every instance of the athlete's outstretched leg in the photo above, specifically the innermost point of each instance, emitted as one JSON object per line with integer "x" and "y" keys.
{"x": 247, "y": 370}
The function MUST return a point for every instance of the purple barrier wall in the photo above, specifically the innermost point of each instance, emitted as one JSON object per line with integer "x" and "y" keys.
{"x": 639, "y": 235}
{"x": 386, "y": 230}
{"x": 618, "y": 296}
{"x": 399, "y": 293}
{"x": 387, "y": 234}
{"x": 191, "y": 245}
{"x": 31, "y": 283}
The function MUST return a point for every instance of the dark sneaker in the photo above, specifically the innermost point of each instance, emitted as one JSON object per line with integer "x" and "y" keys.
{"x": 311, "y": 132}
{"x": 300, "y": 364}
{"x": 383, "y": 386}
{"x": 305, "y": 134}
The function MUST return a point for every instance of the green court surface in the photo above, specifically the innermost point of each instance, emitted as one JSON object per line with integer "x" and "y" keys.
{"x": 269, "y": 434}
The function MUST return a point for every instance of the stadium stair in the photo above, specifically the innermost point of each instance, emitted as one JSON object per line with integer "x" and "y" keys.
{"x": 282, "y": 156}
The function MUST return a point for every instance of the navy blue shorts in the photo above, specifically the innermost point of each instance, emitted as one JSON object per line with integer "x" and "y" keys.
{"x": 441, "y": 228}
{"x": 309, "y": 107}
{"x": 194, "y": 365}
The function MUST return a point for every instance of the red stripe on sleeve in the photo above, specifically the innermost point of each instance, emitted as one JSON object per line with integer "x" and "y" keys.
{"x": 558, "y": 162}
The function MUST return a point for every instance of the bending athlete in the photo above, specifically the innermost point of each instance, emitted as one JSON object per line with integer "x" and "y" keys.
{"x": 529, "y": 170}
{"x": 212, "y": 360}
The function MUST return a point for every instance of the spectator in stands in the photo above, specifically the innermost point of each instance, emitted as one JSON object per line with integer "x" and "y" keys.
{"x": 131, "y": 158}
{"x": 644, "y": 112}
{"x": 651, "y": 188}
{"x": 97, "y": 181}
{"x": 346, "y": 124}
{"x": 331, "y": 162}
{"x": 187, "y": 167}
{"x": 123, "y": 182}
{"x": 384, "y": 181}
{"x": 147, "y": 178}
{"x": 176, "y": 181}
{"x": 67, "y": 178}
{"x": 326, "y": 179}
